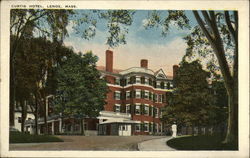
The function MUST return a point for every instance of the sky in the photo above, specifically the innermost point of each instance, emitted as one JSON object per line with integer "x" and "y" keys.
{"x": 161, "y": 52}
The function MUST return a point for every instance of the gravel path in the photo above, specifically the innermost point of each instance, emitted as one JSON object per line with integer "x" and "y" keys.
{"x": 155, "y": 145}
{"x": 115, "y": 143}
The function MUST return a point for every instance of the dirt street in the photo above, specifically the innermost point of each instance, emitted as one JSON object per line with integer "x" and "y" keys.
{"x": 115, "y": 143}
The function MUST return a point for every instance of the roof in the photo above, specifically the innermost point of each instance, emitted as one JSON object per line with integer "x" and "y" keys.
{"x": 103, "y": 68}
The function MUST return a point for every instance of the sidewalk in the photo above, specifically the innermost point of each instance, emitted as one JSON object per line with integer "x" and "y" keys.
{"x": 155, "y": 145}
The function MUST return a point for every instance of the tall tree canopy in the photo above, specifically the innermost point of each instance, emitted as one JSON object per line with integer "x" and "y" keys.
{"x": 81, "y": 92}
{"x": 190, "y": 103}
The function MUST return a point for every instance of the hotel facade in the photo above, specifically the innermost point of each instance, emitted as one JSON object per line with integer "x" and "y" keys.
{"x": 133, "y": 104}
{"x": 135, "y": 99}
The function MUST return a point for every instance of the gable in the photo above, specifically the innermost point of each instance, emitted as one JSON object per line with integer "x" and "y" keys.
{"x": 160, "y": 74}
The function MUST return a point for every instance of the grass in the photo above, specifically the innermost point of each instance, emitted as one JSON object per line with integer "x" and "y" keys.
{"x": 202, "y": 142}
{"x": 18, "y": 137}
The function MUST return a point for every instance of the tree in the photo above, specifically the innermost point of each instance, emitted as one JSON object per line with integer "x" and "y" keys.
{"x": 218, "y": 30}
{"x": 190, "y": 103}
{"x": 30, "y": 22}
{"x": 36, "y": 59}
{"x": 81, "y": 92}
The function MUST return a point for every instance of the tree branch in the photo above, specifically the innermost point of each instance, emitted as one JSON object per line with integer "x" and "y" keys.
{"x": 201, "y": 23}
{"x": 229, "y": 25}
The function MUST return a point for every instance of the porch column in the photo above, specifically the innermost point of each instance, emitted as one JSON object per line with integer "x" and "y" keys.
{"x": 52, "y": 128}
{"x": 60, "y": 125}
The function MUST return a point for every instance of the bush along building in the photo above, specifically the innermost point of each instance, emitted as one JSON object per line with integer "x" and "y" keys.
{"x": 135, "y": 99}
{"x": 133, "y": 104}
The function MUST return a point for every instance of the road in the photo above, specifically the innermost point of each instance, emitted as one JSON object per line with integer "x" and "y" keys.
{"x": 155, "y": 145}
{"x": 111, "y": 143}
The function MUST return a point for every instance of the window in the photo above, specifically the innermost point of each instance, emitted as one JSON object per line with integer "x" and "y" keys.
{"x": 142, "y": 80}
{"x": 146, "y": 127}
{"x": 160, "y": 98}
{"x": 117, "y": 95}
{"x": 138, "y": 79}
{"x": 150, "y": 82}
{"x": 117, "y": 107}
{"x": 146, "y": 110}
{"x": 146, "y": 95}
{"x": 128, "y": 95}
{"x": 137, "y": 110}
{"x": 158, "y": 84}
{"x": 156, "y": 112}
{"x": 19, "y": 120}
{"x": 137, "y": 93}
{"x": 152, "y": 111}
{"x": 128, "y": 108}
{"x": 117, "y": 81}
{"x": 138, "y": 127}
{"x": 155, "y": 98}
{"x": 162, "y": 85}
{"x": 168, "y": 85}
{"x": 160, "y": 128}
{"x": 128, "y": 80}
{"x": 146, "y": 81}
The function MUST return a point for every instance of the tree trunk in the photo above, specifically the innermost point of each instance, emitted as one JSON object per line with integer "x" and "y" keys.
{"x": 82, "y": 126}
{"x": 12, "y": 94}
{"x": 36, "y": 115}
{"x": 24, "y": 114}
{"x": 199, "y": 130}
{"x": 192, "y": 130}
{"x": 232, "y": 127}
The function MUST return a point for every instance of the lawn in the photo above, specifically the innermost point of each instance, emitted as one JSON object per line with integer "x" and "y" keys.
{"x": 18, "y": 137}
{"x": 203, "y": 142}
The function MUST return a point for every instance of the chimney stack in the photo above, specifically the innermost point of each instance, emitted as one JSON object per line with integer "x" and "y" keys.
{"x": 175, "y": 68}
{"x": 109, "y": 61}
{"x": 144, "y": 63}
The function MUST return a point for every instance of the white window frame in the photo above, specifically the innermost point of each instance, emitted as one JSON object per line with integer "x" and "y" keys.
{"x": 146, "y": 96}
{"x": 138, "y": 92}
{"x": 119, "y": 81}
{"x": 138, "y": 125}
{"x": 128, "y": 80}
{"x": 160, "y": 98}
{"x": 117, "y": 105}
{"x": 128, "y": 95}
{"x": 157, "y": 113}
{"x": 146, "y": 124}
{"x": 152, "y": 111}
{"x": 146, "y": 81}
{"x": 128, "y": 108}
{"x": 137, "y": 106}
{"x": 138, "y": 80}
{"x": 146, "y": 108}
{"x": 116, "y": 97}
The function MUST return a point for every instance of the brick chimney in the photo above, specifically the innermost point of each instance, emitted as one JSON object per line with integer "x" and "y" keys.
{"x": 109, "y": 61}
{"x": 144, "y": 63}
{"x": 175, "y": 68}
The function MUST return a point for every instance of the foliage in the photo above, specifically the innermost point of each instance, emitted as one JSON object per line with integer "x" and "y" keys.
{"x": 80, "y": 91}
{"x": 201, "y": 142}
{"x": 117, "y": 22}
{"x": 18, "y": 137}
{"x": 190, "y": 103}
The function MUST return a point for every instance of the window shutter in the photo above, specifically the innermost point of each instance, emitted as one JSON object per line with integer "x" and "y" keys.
{"x": 150, "y": 95}
{"x": 150, "y": 127}
{"x": 154, "y": 112}
{"x": 142, "y": 94}
{"x": 142, "y": 127}
{"x": 132, "y": 109}
{"x": 150, "y": 110}
{"x": 114, "y": 95}
{"x": 122, "y": 109}
{"x": 163, "y": 98}
{"x": 142, "y": 109}
{"x": 153, "y": 97}
{"x": 114, "y": 108}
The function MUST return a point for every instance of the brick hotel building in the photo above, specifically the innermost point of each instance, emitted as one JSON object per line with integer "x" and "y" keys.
{"x": 133, "y": 105}
{"x": 135, "y": 99}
